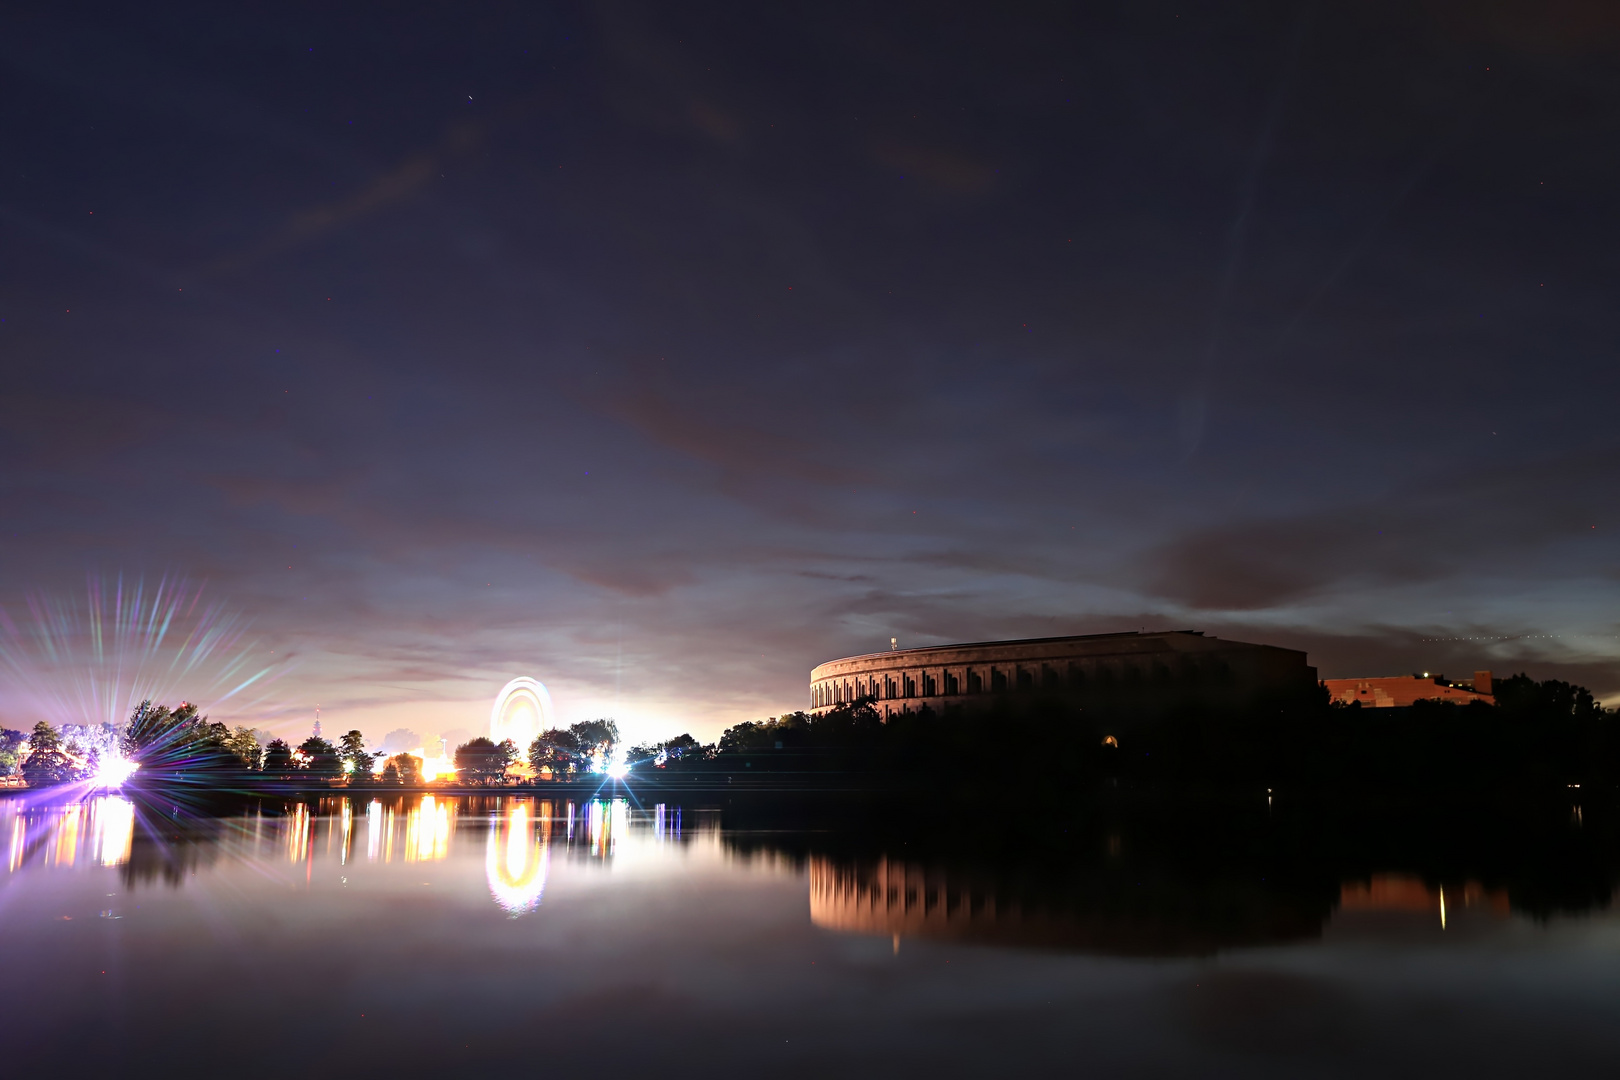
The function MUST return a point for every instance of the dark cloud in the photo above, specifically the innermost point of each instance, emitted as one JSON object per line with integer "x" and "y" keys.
{"x": 1500, "y": 523}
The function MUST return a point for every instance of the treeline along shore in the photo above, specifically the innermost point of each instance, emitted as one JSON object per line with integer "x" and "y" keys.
{"x": 1536, "y": 736}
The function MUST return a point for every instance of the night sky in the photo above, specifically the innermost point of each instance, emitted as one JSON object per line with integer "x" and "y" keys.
{"x": 662, "y": 352}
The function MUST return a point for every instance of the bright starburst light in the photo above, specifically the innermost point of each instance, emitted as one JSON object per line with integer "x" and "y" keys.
{"x": 91, "y": 659}
{"x": 113, "y": 772}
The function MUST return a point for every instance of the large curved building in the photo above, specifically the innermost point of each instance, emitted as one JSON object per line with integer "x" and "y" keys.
{"x": 1138, "y": 672}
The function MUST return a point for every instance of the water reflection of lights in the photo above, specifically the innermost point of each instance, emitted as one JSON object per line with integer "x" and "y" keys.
{"x": 300, "y": 829}
{"x": 19, "y": 843}
{"x": 666, "y": 826}
{"x": 608, "y": 820}
{"x": 527, "y": 835}
{"x": 348, "y": 830}
{"x": 98, "y": 831}
{"x": 374, "y": 829}
{"x": 427, "y": 831}
{"x": 65, "y": 842}
{"x": 114, "y": 830}
{"x": 518, "y": 858}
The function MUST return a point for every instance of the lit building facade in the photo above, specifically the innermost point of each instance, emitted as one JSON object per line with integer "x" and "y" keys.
{"x": 1399, "y": 691}
{"x": 1149, "y": 672}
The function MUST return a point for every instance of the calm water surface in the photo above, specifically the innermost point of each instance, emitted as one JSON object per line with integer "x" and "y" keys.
{"x": 419, "y": 934}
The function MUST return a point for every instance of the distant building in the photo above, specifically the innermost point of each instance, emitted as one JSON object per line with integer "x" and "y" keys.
{"x": 1136, "y": 672}
{"x": 1399, "y": 691}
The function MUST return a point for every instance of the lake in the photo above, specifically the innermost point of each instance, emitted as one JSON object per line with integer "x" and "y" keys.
{"x": 707, "y": 935}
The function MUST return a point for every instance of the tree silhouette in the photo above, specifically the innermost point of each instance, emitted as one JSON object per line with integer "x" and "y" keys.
{"x": 47, "y": 764}
{"x": 556, "y": 749}
{"x": 403, "y": 769}
{"x": 243, "y": 743}
{"x": 278, "y": 759}
{"x": 354, "y": 754}
{"x": 12, "y": 744}
{"x": 483, "y": 762}
{"x": 322, "y": 759}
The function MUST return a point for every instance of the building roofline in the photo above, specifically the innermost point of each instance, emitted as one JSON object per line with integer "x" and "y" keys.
{"x": 1013, "y": 641}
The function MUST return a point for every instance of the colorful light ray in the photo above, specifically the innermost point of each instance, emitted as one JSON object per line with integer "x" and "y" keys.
{"x": 90, "y": 660}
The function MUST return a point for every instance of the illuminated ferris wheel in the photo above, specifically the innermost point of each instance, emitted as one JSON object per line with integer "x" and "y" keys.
{"x": 522, "y": 711}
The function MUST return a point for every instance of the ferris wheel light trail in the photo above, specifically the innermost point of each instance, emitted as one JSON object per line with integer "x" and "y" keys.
{"x": 522, "y": 710}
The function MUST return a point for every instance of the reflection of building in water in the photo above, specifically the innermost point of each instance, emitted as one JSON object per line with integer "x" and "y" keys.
{"x": 1396, "y": 899}
{"x": 897, "y": 900}
{"x": 1146, "y": 672}
{"x": 518, "y": 856}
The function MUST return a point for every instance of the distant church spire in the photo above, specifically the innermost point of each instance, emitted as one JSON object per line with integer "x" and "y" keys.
{"x": 317, "y": 721}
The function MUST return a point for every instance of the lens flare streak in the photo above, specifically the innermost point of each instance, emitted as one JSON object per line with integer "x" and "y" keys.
{"x": 91, "y": 660}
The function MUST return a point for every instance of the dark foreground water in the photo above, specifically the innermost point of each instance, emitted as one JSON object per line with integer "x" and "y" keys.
{"x": 521, "y": 936}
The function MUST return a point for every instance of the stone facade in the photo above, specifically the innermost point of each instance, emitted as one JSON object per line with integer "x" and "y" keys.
{"x": 1399, "y": 691}
{"x": 1140, "y": 672}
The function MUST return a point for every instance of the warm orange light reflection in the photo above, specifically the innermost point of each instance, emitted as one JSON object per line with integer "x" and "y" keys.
{"x": 516, "y": 861}
{"x": 19, "y": 841}
{"x": 113, "y": 827}
{"x": 1409, "y": 893}
{"x": 427, "y": 831}
{"x": 300, "y": 828}
{"x": 348, "y": 831}
{"x": 374, "y": 829}
{"x": 100, "y": 831}
{"x": 65, "y": 843}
